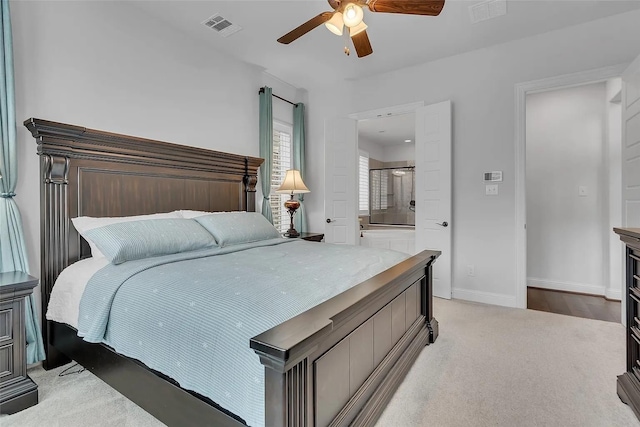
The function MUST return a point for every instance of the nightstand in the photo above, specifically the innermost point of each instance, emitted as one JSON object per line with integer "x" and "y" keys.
{"x": 17, "y": 390}
{"x": 311, "y": 237}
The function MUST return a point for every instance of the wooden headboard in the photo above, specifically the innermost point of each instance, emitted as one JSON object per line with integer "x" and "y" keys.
{"x": 86, "y": 172}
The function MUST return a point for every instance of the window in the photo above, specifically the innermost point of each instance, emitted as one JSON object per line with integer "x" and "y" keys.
{"x": 363, "y": 183}
{"x": 379, "y": 189}
{"x": 281, "y": 163}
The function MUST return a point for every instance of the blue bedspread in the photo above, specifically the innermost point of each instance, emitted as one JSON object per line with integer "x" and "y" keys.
{"x": 191, "y": 315}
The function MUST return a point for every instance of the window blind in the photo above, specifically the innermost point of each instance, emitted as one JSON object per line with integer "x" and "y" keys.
{"x": 363, "y": 185}
{"x": 281, "y": 163}
{"x": 379, "y": 189}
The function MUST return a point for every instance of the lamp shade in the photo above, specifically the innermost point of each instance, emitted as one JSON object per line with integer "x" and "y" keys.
{"x": 352, "y": 15}
{"x": 335, "y": 24}
{"x": 357, "y": 29}
{"x": 293, "y": 183}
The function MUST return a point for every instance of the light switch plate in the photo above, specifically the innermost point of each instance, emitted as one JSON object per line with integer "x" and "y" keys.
{"x": 582, "y": 191}
{"x": 491, "y": 190}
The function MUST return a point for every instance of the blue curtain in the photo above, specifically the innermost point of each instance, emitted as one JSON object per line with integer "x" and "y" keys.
{"x": 298, "y": 160}
{"x": 13, "y": 250}
{"x": 266, "y": 149}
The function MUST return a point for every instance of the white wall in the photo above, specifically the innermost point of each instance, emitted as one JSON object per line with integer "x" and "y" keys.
{"x": 107, "y": 66}
{"x": 481, "y": 87}
{"x": 565, "y": 149}
{"x": 400, "y": 152}
{"x": 376, "y": 151}
{"x": 387, "y": 153}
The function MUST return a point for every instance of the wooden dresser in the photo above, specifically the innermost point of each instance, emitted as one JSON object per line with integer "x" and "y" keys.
{"x": 629, "y": 382}
{"x": 17, "y": 390}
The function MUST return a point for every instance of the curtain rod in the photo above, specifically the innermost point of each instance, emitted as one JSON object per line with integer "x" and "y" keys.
{"x": 276, "y": 96}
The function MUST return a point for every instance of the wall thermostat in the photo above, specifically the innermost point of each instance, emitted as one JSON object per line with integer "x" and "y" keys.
{"x": 495, "y": 176}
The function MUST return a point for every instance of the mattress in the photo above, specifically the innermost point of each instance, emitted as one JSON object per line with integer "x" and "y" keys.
{"x": 64, "y": 301}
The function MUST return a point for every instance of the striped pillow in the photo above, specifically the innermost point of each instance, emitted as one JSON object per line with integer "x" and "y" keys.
{"x": 82, "y": 224}
{"x": 128, "y": 241}
{"x": 233, "y": 228}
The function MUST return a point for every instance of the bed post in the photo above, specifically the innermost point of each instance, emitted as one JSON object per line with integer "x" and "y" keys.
{"x": 427, "y": 301}
{"x": 287, "y": 389}
{"x": 54, "y": 244}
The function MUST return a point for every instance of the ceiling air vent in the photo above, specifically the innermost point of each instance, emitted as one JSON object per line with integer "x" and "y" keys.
{"x": 487, "y": 10}
{"x": 221, "y": 25}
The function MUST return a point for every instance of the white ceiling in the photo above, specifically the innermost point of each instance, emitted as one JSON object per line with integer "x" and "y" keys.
{"x": 390, "y": 130}
{"x": 398, "y": 40}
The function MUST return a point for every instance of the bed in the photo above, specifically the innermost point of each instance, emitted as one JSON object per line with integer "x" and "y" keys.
{"x": 310, "y": 361}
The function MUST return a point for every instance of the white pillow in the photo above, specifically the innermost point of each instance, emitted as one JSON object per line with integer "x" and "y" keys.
{"x": 194, "y": 214}
{"x": 85, "y": 223}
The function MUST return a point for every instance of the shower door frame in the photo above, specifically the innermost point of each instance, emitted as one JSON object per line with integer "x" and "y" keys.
{"x": 413, "y": 171}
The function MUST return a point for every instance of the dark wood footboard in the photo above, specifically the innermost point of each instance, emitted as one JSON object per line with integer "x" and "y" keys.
{"x": 340, "y": 362}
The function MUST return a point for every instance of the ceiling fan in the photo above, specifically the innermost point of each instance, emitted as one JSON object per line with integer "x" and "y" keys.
{"x": 350, "y": 13}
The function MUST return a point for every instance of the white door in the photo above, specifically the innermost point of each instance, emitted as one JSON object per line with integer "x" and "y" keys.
{"x": 433, "y": 190}
{"x": 340, "y": 184}
{"x": 631, "y": 145}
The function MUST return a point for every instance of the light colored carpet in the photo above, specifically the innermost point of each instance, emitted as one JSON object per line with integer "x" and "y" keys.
{"x": 491, "y": 366}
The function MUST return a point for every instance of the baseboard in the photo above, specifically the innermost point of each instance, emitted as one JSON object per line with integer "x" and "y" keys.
{"x": 484, "y": 297}
{"x": 558, "y": 285}
{"x": 612, "y": 294}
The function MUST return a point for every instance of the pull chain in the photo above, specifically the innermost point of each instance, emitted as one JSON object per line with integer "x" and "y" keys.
{"x": 347, "y": 51}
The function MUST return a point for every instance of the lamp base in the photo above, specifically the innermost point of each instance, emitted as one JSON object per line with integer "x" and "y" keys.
{"x": 292, "y": 205}
{"x": 292, "y": 232}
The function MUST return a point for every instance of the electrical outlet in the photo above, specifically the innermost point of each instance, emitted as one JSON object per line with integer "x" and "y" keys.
{"x": 471, "y": 270}
{"x": 491, "y": 190}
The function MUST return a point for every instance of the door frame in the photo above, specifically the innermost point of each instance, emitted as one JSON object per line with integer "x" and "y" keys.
{"x": 382, "y": 112}
{"x": 521, "y": 91}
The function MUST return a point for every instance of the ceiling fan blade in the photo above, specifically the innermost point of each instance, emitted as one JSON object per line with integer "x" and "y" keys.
{"x": 407, "y": 7}
{"x": 362, "y": 44}
{"x": 305, "y": 28}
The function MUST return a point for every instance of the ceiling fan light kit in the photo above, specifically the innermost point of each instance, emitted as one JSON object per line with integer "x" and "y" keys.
{"x": 350, "y": 13}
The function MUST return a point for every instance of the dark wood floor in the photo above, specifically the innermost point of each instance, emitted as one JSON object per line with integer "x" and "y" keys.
{"x": 588, "y": 306}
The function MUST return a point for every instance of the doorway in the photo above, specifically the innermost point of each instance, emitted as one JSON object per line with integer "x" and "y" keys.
{"x": 386, "y": 182}
{"x": 569, "y": 133}
{"x": 433, "y": 176}
{"x": 568, "y": 189}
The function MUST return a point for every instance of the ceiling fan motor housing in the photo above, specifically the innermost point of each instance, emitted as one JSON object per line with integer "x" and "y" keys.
{"x": 335, "y": 4}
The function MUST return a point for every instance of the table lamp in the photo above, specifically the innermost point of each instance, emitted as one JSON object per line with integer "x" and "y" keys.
{"x": 292, "y": 184}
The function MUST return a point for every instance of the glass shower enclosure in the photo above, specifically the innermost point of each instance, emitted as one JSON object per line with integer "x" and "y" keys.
{"x": 392, "y": 196}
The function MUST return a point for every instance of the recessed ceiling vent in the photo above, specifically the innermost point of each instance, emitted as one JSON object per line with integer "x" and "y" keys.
{"x": 221, "y": 25}
{"x": 486, "y": 10}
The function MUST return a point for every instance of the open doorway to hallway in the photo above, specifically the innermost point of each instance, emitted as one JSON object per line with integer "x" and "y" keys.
{"x": 573, "y": 182}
